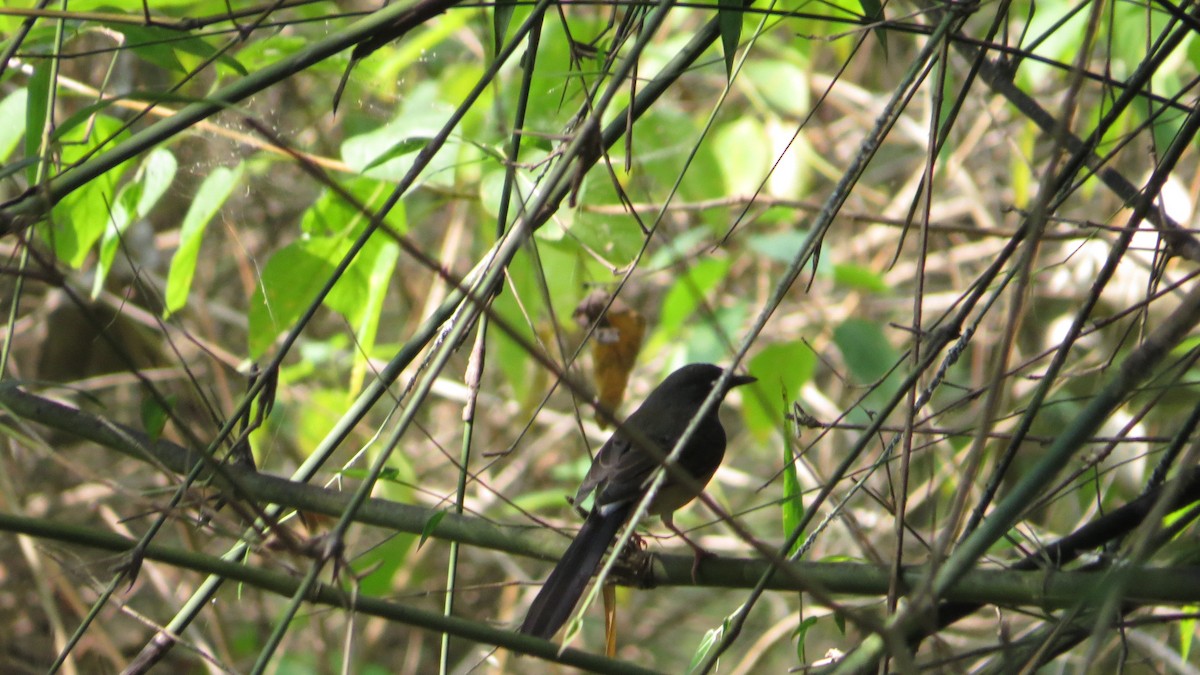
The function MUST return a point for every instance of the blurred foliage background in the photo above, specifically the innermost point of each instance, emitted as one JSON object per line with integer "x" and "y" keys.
{"x": 954, "y": 242}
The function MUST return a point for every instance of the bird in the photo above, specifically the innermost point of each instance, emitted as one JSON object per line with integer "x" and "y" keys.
{"x": 621, "y": 474}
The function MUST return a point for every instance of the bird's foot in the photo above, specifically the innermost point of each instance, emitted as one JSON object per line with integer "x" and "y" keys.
{"x": 700, "y": 554}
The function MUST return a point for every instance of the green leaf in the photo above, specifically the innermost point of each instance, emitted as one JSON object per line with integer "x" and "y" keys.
{"x": 156, "y": 173}
{"x": 430, "y": 526}
{"x": 81, "y": 218}
{"x": 12, "y": 121}
{"x": 421, "y": 116}
{"x": 781, "y": 370}
{"x": 873, "y": 13}
{"x": 1187, "y": 632}
{"x": 155, "y": 416}
{"x": 688, "y": 291}
{"x": 288, "y": 285}
{"x": 743, "y": 151}
{"x": 502, "y": 13}
{"x": 793, "y": 495}
{"x": 381, "y": 563}
{"x": 295, "y": 273}
{"x": 212, "y": 193}
{"x": 866, "y": 350}
{"x": 36, "y": 103}
{"x": 330, "y": 214}
{"x": 870, "y": 357}
{"x": 134, "y": 201}
{"x": 729, "y": 22}
{"x": 162, "y": 46}
{"x": 359, "y": 295}
{"x": 84, "y": 114}
{"x": 616, "y": 240}
{"x": 800, "y": 633}
{"x": 782, "y": 84}
{"x": 711, "y": 639}
{"x": 707, "y": 338}
{"x": 860, "y": 278}
{"x": 402, "y": 147}
{"x": 779, "y": 246}
{"x": 121, "y": 214}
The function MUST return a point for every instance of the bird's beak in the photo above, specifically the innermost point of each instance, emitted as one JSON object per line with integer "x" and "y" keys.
{"x": 738, "y": 380}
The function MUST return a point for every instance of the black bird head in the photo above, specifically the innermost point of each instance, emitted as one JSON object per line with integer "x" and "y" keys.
{"x": 693, "y": 383}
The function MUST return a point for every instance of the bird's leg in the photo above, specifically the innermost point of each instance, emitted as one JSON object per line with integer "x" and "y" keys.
{"x": 699, "y": 550}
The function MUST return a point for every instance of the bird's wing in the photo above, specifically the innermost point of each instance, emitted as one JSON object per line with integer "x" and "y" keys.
{"x": 626, "y": 476}
{"x": 602, "y": 466}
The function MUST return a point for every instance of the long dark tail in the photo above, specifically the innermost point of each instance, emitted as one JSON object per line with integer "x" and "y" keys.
{"x": 555, "y": 602}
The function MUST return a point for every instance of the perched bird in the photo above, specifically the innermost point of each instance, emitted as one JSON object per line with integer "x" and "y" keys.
{"x": 620, "y": 475}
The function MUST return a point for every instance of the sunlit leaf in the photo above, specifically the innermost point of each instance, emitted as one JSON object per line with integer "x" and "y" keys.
{"x": 212, "y": 193}
{"x": 12, "y": 120}
{"x": 82, "y": 217}
{"x": 781, "y": 370}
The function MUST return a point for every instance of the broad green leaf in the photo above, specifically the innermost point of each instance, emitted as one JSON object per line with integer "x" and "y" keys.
{"x": 689, "y": 290}
{"x": 674, "y": 134}
{"x": 84, "y": 115}
{"x": 156, "y": 173}
{"x": 679, "y": 248}
{"x": 389, "y": 68}
{"x": 330, "y": 214}
{"x": 120, "y": 215}
{"x": 860, "y": 278}
{"x": 12, "y": 121}
{"x": 402, "y": 147}
{"x": 708, "y": 340}
{"x": 870, "y": 357}
{"x": 288, "y": 285}
{"x": 866, "y": 350}
{"x": 162, "y": 47}
{"x": 81, "y": 218}
{"x": 779, "y": 246}
{"x": 615, "y": 239}
{"x": 381, "y": 563}
{"x": 133, "y": 202}
{"x": 212, "y": 193}
{"x": 294, "y": 274}
{"x": 359, "y": 296}
{"x": 420, "y": 116}
{"x": 782, "y": 84}
{"x": 518, "y": 306}
{"x": 743, "y": 151}
{"x": 781, "y": 370}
